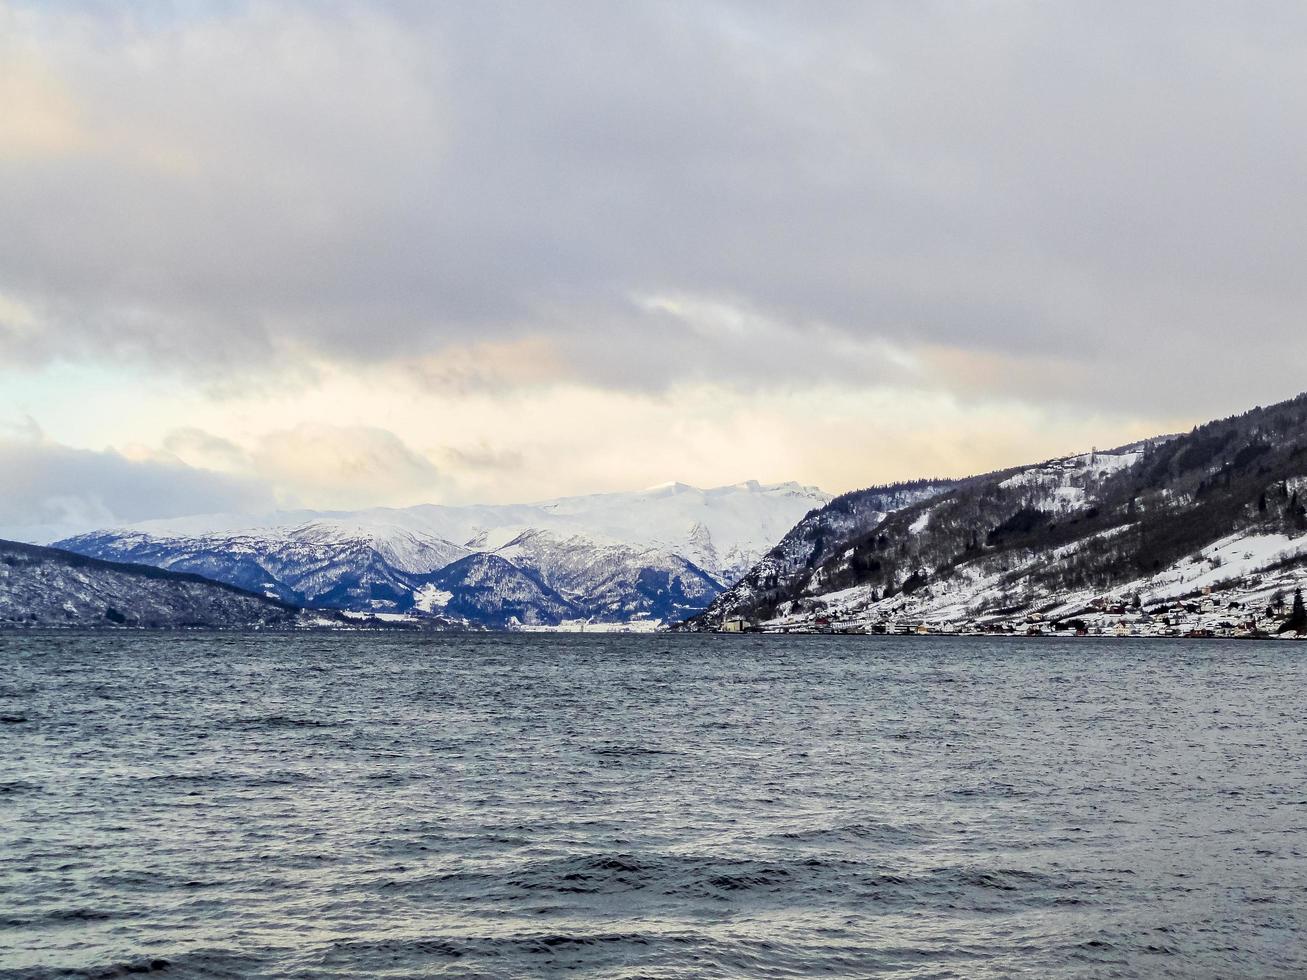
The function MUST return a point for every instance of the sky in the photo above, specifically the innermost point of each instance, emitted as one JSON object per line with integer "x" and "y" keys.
{"x": 336, "y": 255}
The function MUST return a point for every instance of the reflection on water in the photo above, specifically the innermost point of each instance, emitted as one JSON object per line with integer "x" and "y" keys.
{"x": 652, "y": 806}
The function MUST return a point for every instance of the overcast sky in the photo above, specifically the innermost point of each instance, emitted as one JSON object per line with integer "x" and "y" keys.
{"x": 333, "y": 255}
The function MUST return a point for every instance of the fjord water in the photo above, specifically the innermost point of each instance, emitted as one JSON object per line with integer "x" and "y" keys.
{"x": 655, "y": 806}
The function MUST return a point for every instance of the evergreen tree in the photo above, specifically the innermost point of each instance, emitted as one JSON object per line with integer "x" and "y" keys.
{"x": 1297, "y": 621}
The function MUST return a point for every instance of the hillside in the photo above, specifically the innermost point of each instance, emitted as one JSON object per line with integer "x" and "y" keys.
{"x": 323, "y": 563}
{"x": 610, "y": 581}
{"x": 816, "y": 539}
{"x": 490, "y": 591}
{"x": 42, "y": 587}
{"x": 1173, "y": 521}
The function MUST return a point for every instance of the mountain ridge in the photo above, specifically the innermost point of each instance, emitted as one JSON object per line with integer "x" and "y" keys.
{"x": 656, "y": 555}
{"x": 42, "y": 586}
{"x": 1146, "y": 526}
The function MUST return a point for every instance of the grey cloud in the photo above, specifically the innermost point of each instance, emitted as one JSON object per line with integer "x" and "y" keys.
{"x": 48, "y": 491}
{"x": 485, "y": 458}
{"x": 190, "y": 442}
{"x": 1109, "y": 186}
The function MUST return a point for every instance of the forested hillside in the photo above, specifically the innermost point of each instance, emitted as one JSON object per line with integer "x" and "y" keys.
{"x": 1143, "y": 519}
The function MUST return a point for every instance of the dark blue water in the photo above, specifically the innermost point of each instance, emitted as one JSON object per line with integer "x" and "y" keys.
{"x": 515, "y": 806}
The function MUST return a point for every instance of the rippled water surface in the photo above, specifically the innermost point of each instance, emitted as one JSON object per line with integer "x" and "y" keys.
{"x": 655, "y": 806}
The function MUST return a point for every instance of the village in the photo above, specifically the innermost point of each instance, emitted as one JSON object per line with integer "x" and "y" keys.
{"x": 1252, "y": 609}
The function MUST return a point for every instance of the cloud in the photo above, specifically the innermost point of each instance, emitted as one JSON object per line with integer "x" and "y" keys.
{"x": 246, "y": 188}
{"x": 49, "y": 491}
{"x": 343, "y": 467}
{"x": 485, "y": 458}
{"x": 227, "y": 173}
{"x": 329, "y": 465}
{"x": 341, "y": 254}
{"x": 199, "y": 448}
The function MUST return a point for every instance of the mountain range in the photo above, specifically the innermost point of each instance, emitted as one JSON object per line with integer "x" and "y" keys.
{"x": 657, "y": 555}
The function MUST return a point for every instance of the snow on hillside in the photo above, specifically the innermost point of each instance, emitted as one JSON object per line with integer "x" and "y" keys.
{"x": 44, "y": 587}
{"x": 823, "y": 532}
{"x": 1059, "y": 485}
{"x": 960, "y": 576}
{"x": 327, "y": 563}
{"x": 403, "y": 548}
{"x": 1229, "y": 588}
{"x": 974, "y": 589}
{"x": 489, "y": 590}
{"x": 614, "y": 581}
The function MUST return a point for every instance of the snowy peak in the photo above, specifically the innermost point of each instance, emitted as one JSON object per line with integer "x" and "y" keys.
{"x": 675, "y": 488}
{"x": 742, "y": 521}
{"x": 404, "y": 549}
{"x": 669, "y": 489}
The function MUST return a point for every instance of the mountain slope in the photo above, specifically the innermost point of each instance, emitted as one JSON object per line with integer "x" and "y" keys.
{"x": 1159, "y": 519}
{"x": 822, "y": 533}
{"x": 491, "y": 591}
{"x": 610, "y": 581}
{"x": 721, "y": 530}
{"x": 49, "y": 587}
{"x": 321, "y": 563}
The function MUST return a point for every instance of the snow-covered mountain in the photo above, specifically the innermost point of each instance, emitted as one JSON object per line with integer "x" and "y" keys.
{"x": 1205, "y": 531}
{"x": 610, "y": 581}
{"x": 324, "y": 563}
{"x": 662, "y": 553}
{"x": 723, "y": 530}
{"x": 44, "y": 587}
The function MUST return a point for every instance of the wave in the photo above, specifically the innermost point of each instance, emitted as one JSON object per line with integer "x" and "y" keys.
{"x": 809, "y": 880}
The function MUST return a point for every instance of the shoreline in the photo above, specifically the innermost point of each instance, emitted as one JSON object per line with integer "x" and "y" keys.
{"x": 1059, "y": 635}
